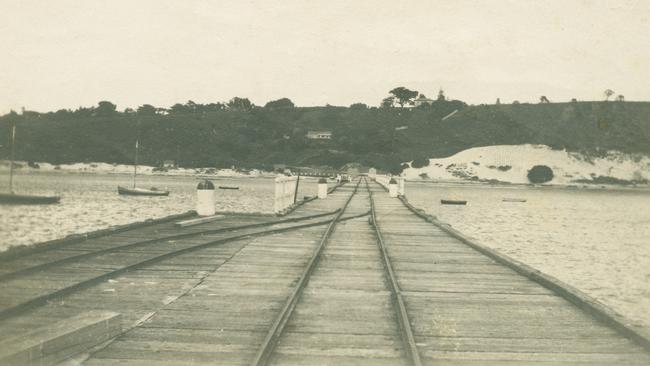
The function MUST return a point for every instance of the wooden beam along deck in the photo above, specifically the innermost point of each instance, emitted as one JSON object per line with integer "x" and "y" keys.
{"x": 325, "y": 285}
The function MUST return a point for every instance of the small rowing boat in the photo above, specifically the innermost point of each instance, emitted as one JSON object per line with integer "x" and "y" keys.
{"x": 141, "y": 192}
{"x": 228, "y": 187}
{"x": 453, "y": 202}
{"x": 513, "y": 200}
{"x": 21, "y": 199}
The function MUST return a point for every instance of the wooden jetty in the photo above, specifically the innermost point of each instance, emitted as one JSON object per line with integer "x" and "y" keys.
{"x": 358, "y": 278}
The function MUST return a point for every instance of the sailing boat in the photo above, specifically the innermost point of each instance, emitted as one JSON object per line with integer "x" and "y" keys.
{"x": 21, "y": 199}
{"x": 139, "y": 191}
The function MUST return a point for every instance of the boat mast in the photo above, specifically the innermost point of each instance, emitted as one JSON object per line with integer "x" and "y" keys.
{"x": 135, "y": 163}
{"x": 13, "y": 153}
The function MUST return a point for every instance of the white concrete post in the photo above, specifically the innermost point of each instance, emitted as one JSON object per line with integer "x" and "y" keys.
{"x": 205, "y": 202}
{"x": 392, "y": 188}
{"x": 322, "y": 188}
{"x": 372, "y": 173}
{"x": 283, "y": 184}
{"x": 277, "y": 206}
{"x": 284, "y": 191}
{"x": 401, "y": 185}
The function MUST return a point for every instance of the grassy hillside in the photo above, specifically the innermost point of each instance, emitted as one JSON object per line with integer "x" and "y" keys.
{"x": 263, "y": 136}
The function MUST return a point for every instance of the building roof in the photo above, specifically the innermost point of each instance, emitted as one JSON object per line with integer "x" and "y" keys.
{"x": 319, "y": 132}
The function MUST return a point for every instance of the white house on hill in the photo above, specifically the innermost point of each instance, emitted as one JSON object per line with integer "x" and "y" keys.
{"x": 319, "y": 135}
{"x": 422, "y": 100}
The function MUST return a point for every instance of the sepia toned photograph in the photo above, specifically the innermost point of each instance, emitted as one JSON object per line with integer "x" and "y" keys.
{"x": 326, "y": 182}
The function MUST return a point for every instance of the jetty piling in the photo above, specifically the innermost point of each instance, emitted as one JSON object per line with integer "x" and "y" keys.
{"x": 393, "y": 188}
{"x": 285, "y": 191}
{"x": 322, "y": 188}
{"x": 401, "y": 186}
{"x": 205, "y": 198}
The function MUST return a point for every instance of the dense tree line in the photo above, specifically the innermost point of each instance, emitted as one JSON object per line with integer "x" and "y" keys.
{"x": 242, "y": 134}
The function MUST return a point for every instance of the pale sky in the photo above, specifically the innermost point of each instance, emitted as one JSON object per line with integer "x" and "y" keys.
{"x": 65, "y": 54}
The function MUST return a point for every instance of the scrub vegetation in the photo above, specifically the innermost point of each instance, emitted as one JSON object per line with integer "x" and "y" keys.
{"x": 238, "y": 133}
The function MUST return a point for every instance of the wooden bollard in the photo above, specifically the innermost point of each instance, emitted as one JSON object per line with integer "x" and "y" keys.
{"x": 392, "y": 188}
{"x": 322, "y": 188}
{"x": 205, "y": 203}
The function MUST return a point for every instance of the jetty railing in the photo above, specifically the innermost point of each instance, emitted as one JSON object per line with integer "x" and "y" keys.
{"x": 285, "y": 190}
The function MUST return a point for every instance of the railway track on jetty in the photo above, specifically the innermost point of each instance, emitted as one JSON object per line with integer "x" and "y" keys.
{"x": 354, "y": 288}
{"x": 355, "y": 279}
{"x": 49, "y": 274}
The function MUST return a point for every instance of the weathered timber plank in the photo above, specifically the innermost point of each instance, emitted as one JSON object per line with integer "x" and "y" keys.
{"x": 560, "y": 358}
{"x": 527, "y": 345}
{"x": 198, "y": 221}
{"x": 315, "y": 360}
{"x": 51, "y": 344}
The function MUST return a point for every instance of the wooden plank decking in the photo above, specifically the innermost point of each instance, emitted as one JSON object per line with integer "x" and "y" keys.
{"x": 216, "y": 304}
{"x": 468, "y": 310}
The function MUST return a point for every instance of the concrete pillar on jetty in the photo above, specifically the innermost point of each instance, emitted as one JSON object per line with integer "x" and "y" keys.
{"x": 372, "y": 173}
{"x": 392, "y": 188}
{"x": 401, "y": 185}
{"x": 205, "y": 201}
{"x": 322, "y": 188}
{"x": 285, "y": 191}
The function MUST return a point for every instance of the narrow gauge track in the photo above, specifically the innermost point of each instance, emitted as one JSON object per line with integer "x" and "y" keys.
{"x": 31, "y": 299}
{"x": 140, "y": 243}
{"x": 273, "y": 335}
{"x": 367, "y": 323}
{"x": 342, "y": 308}
{"x": 404, "y": 322}
{"x": 40, "y": 255}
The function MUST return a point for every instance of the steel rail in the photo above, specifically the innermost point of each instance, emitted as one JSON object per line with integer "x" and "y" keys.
{"x": 40, "y": 300}
{"x": 43, "y": 266}
{"x": 400, "y": 308}
{"x": 267, "y": 347}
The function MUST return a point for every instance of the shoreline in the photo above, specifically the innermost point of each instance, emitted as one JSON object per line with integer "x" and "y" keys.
{"x": 579, "y": 186}
{"x": 123, "y": 169}
{"x": 94, "y": 168}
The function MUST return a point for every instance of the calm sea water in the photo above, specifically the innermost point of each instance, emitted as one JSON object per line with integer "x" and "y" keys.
{"x": 595, "y": 240}
{"x": 90, "y": 202}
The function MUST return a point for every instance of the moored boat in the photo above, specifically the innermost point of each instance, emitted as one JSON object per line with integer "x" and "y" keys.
{"x": 513, "y": 200}
{"x": 141, "y": 191}
{"x": 135, "y": 191}
{"x": 453, "y": 202}
{"x": 22, "y": 199}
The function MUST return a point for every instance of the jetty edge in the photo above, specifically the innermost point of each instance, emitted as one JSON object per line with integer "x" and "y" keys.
{"x": 574, "y": 295}
{"x": 326, "y": 284}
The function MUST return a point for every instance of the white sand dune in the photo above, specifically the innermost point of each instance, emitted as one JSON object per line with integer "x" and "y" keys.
{"x": 510, "y": 163}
